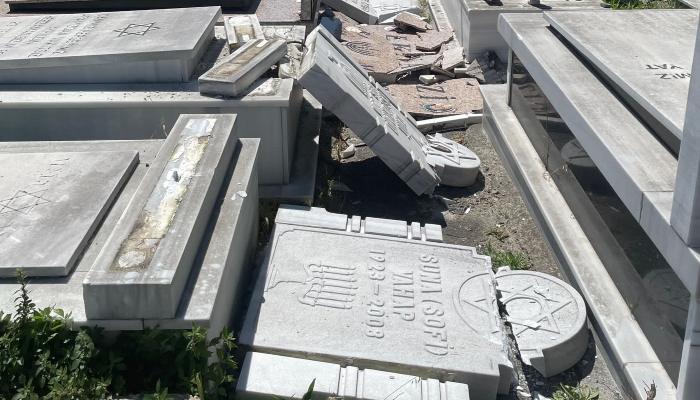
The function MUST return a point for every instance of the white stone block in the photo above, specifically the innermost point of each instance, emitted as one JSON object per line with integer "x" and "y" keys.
{"x": 242, "y": 28}
{"x": 455, "y": 164}
{"x": 107, "y": 47}
{"x": 266, "y": 375}
{"x": 359, "y": 10}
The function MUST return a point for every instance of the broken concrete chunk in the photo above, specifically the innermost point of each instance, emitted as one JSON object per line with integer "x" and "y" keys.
{"x": 237, "y": 71}
{"x": 293, "y": 34}
{"x": 289, "y": 65}
{"x": 333, "y": 381}
{"x": 242, "y": 28}
{"x": 452, "y": 97}
{"x": 344, "y": 87}
{"x": 397, "y": 304}
{"x": 455, "y": 164}
{"x": 548, "y": 318}
{"x": 453, "y": 58}
{"x": 410, "y": 22}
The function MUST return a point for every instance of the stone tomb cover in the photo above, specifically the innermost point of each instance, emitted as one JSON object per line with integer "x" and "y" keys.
{"x": 346, "y": 89}
{"x": 391, "y": 304}
{"x": 50, "y": 204}
{"x": 107, "y": 47}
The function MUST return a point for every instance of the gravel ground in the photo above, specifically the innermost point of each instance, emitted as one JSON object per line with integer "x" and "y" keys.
{"x": 490, "y": 212}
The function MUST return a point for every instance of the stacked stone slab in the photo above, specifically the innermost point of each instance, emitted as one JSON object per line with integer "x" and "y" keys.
{"x": 116, "y": 47}
{"x": 333, "y": 381}
{"x": 399, "y": 304}
{"x": 211, "y": 294}
{"x": 143, "y": 268}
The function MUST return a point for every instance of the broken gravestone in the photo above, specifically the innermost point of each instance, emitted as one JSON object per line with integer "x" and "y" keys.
{"x": 548, "y": 318}
{"x": 452, "y": 97}
{"x": 400, "y": 304}
{"x": 242, "y": 28}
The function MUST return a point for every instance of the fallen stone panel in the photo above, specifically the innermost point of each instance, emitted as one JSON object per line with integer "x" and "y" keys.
{"x": 346, "y": 89}
{"x": 386, "y": 9}
{"x": 107, "y": 47}
{"x": 52, "y": 202}
{"x": 242, "y": 28}
{"x": 397, "y": 305}
{"x": 410, "y": 22}
{"x": 548, "y": 318}
{"x": 239, "y": 70}
{"x": 452, "y": 97}
{"x": 142, "y": 270}
{"x": 331, "y": 380}
{"x": 359, "y": 10}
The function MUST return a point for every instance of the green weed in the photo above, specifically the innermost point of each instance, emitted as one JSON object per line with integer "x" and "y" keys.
{"x": 566, "y": 392}
{"x": 515, "y": 261}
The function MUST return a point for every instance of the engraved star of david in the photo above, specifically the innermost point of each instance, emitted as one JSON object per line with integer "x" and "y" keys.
{"x": 137, "y": 29}
{"x": 546, "y": 316}
{"x": 23, "y": 202}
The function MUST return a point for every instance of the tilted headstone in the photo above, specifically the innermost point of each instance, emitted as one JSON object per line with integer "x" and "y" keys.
{"x": 346, "y": 89}
{"x": 107, "y": 47}
{"x": 293, "y": 375}
{"x": 548, "y": 318}
{"x": 394, "y": 304}
{"x": 142, "y": 270}
{"x": 239, "y": 70}
{"x": 51, "y": 203}
{"x": 242, "y": 28}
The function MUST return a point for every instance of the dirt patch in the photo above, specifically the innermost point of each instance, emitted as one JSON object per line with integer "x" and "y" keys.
{"x": 489, "y": 215}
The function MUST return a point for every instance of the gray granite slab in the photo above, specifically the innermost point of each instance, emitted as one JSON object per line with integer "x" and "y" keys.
{"x": 242, "y": 28}
{"x": 332, "y": 380}
{"x": 142, "y": 270}
{"x": 397, "y": 305}
{"x": 107, "y": 47}
{"x": 244, "y": 66}
{"x": 647, "y": 53}
{"x": 346, "y": 89}
{"x": 52, "y": 202}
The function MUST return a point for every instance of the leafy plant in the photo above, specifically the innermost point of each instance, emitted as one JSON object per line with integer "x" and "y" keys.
{"x": 566, "y": 392}
{"x": 515, "y": 261}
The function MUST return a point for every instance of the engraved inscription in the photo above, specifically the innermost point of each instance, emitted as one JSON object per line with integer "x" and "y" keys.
{"x": 23, "y": 202}
{"x": 673, "y": 74}
{"x": 329, "y": 286}
{"x": 136, "y": 29}
{"x": 375, "y": 310}
{"x": 535, "y": 298}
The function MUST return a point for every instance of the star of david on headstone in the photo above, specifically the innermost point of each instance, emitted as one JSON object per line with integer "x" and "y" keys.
{"x": 545, "y": 319}
{"x": 136, "y": 29}
{"x": 446, "y": 149}
{"x": 23, "y": 202}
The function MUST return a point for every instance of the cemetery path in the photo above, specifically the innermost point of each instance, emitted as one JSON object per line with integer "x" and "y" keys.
{"x": 488, "y": 213}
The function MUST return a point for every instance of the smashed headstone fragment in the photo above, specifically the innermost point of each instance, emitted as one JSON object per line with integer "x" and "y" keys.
{"x": 373, "y": 52}
{"x": 410, "y": 22}
{"x": 294, "y": 36}
{"x": 433, "y": 40}
{"x": 548, "y": 318}
{"x": 416, "y": 64}
{"x": 142, "y": 270}
{"x": 240, "y": 69}
{"x": 453, "y": 58}
{"x": 389, "y": 9}
{"x": 242, "y": 28}
{"x": 457, "y": 165}
{"x": 51, "y": 203}
{"x": 335, "y": 381}
{"x": 400, "y": 304}
{"x": 451, "y": 97}
{"x": 359, "y": 10}
{"x": 106, "y": 47}
{"x": 346, "y": 89}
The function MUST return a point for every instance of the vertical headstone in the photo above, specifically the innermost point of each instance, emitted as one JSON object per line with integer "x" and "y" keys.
{"x": 142, "y": 270}
{"x": 107, "y": 47}
{"x": 51, "y": 203}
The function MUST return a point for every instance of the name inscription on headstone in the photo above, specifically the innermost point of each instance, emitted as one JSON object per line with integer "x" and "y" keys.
{"x": 673, "y": 69}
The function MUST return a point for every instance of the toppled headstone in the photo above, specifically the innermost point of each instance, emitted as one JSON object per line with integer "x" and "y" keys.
{"x": 375, "y": 54}
{"x": 294, "y": 36}
{"x": 359, "y": 10}
{"x": 242, "y": 28}
{"x": 333, "y": 381}
{"x": 548, "y": 318}
{"x": 451, "y": 97}
{"x": 346, "y": 89}
{"x": 410, "y": 22}
{"x": 107, "y": 47}
{"x": 398, "y": 305}
{"x": 457, "y": 165}
{"x": 142, "y": 270}
{"x": 51, "y": 203}
{"x": 452, "y": 58}
{"x": 240, "y": 69}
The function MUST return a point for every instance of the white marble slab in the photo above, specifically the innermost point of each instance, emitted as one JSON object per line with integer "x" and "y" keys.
{"x": 107, "y": 47}
{"x": 242, "y": 28}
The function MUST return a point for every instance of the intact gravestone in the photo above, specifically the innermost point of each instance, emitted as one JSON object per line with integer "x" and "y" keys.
{"x": 107, "y": 47}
